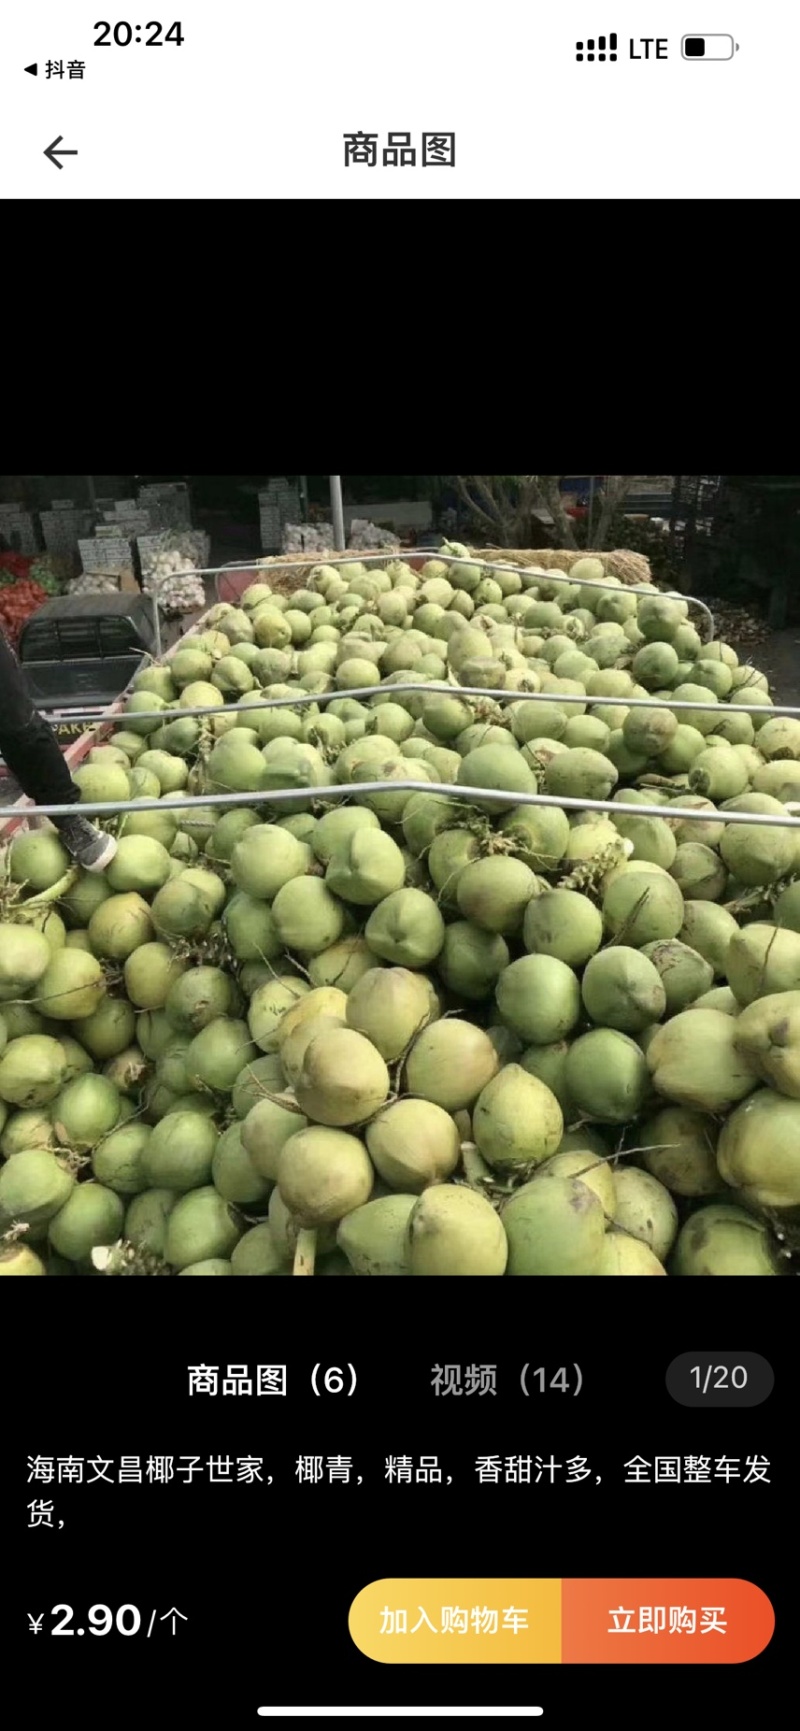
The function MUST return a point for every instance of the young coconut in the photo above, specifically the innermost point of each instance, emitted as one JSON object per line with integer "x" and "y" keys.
{"x": 694, "y": 1061}
{"x": 725, "y": 1241}
{"x": 413, "y": 1143}
{"x": 374, "y": 1236}
{"x": 623, "y": 1254}
{"x": 554, "y": 1226}
{"x": 517, "y": 1121}
{"x": 450, "y": 1062}
{"x": 343, "y": 1079}
{"x": 758, "y": 1152}
{"x": 454, "y": 1231}
{"x": 645, "y": 1210}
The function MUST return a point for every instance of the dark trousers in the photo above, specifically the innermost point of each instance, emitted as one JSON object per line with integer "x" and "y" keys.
{"x": 27, "y": 742}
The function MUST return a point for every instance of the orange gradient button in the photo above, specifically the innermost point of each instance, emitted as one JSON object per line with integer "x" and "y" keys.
{"x": 520, "y": 1621}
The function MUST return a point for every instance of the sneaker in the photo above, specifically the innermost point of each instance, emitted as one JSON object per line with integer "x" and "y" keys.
{"x": 90, "y": 848}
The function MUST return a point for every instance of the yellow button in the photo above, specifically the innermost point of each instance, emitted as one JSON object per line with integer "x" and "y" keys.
{"x": 459, "y": 1622}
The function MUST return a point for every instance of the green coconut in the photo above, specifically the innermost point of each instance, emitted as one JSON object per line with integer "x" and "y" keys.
{"x": 199, "y": 996}
{"x": 490, "y": 766}
{"x": 179, "y": 1151}
{"x": 323, "y": 1174}
{"x": 146, "y": 1218}
{"x": 38, "y": 859}
{"x": 20, "y": 1259}
{"x": 641, "y": 906}
{"x": 150, "y": 973}
{"x": 758, "y": 854}
{"x": 85, "y": 1111}
{"x": 694, "y": 1061}
{"x": 517, "y": 1121}
{"x": 549, "y": 1064}
{"x": 592, "y": 1168}
{"x": 374, "y": 1236}
{"x": 406, "y": 928}
{"x": 268, "y": 1006}
{"x": 256, "y": 1081}
{"x": 162, "y": 825}
{"x": 117, "y": 1161}
{"x": 91, "y": 1216}
{"x": 140, "y": 864}
{"x": 450, "y": 1062}
{"x": 539, "y": 997}
{"x": 33, "y": 1187}
{"x": 307, "y": 917}
{"x": 32, "y": 1070}
{"x": 724, "y": 1240}
{"x": 218, "y": 1053}
{"x": 606, "y": 1076}
{"x": 758, "y": 1153}
{"x": 21, "y": 1018}
{"x": 709, "y": 929}
{"x": 554, "y": 1227}
{"x": 454, "y": 1231}
{"x": 120, "y": 925}
{"x": 494, "y": 893}
{"x": 234, "y": 1174}
{"x": 257, "y": 1253}
{"x": 200, "y": 1227}
{"x": 621, "y": 988}
{"x": 343, "y": 1079}
{"x": 390, "y": 1006}
{"x": 580, "y": 773}
{"x": 719, "y": 774}
{"x": 109, "y": 1029}
{"x": 645, "y": 1209}
{"x": 27, "y": 1128}
{"x": 72, "y": 987}
{"x": 366, "y": 868}
{"x": 265, "y": 858}
{"x": 540, "y": 835}
{"x": 413, "y": 1143}
{"x": 265, "y": 1130}
{"x": 564, "y": 924}
{"x": 24, "y": 957}
{"x": 699, "y": 872}
{"x": 685, "y": 974}
{"x": 763, "y": 959}
{"x": 648, "y": 732}
{"x": 472, "y": 960}
{"x": 623, "y": 1254}
{"x": 767, "y": 1032}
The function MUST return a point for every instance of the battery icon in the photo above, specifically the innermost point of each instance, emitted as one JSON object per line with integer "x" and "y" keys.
{"x": 708, "y": 47}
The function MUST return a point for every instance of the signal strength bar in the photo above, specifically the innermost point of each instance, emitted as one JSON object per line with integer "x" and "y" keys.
{"x": 601, "y": 50}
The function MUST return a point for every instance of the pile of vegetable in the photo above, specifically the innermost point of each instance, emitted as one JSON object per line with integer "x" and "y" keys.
{"x": 20, "y": 596}
{"x": 358, "y": 1028}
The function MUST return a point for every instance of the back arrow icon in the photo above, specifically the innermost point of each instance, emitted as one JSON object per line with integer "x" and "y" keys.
{"x": 54, "y": 154}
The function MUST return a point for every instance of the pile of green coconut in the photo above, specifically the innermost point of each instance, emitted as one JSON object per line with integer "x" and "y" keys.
{"x": 352, "y": 1026}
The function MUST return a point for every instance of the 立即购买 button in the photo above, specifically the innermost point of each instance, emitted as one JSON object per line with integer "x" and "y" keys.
{"x": 520, "y": 1621}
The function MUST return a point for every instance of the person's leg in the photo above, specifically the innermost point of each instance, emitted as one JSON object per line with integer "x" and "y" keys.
{"x": 31, "y": 752}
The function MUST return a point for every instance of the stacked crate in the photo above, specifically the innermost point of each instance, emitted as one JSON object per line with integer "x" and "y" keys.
{"x": 18, "y": 528}
{"x": 168, "y": 503}
{"x": 63, "y": 526}
{"x": 278, "y": 504}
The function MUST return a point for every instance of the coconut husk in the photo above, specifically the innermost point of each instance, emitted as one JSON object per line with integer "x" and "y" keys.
{"x": 628, "y": 567}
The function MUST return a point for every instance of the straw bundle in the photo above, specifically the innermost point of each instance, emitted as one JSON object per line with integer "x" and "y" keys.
{"x": 628, "y": 567}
